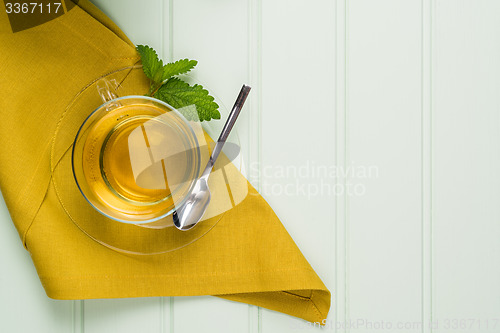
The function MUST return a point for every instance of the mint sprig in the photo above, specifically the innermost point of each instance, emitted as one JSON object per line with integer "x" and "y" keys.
{"x": 172, "y": 90}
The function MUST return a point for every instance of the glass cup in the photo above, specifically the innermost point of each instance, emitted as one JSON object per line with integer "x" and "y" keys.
{"x": 135, "y": 158}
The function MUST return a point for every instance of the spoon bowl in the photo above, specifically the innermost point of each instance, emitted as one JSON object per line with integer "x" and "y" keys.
{"x": 194, "y": 207}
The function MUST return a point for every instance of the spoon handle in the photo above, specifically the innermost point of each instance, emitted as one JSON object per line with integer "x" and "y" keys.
{"x": 235, "y": 112}
{"x": 233, "y": 115}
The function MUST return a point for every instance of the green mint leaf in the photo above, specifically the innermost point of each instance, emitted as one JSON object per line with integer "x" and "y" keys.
{"x": 178, "y": 67}
{"x": 151, "y": 64}
{"x": 193, "y": 101}
{"x": 180, "y": 94}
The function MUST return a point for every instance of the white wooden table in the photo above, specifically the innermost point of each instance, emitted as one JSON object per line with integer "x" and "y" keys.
{"x": 402, "y": 96}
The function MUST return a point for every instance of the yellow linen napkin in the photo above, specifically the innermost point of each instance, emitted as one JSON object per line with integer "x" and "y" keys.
{"x": 247, "y": 257}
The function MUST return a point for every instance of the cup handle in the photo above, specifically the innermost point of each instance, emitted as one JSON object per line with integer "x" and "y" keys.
{"x": 107, "y": 91}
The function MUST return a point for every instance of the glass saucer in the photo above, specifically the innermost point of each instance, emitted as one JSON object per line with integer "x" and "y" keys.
{"x": 227, "y": 186}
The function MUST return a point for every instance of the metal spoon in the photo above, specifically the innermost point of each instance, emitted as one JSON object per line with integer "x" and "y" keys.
{"x": 196, "y": 204}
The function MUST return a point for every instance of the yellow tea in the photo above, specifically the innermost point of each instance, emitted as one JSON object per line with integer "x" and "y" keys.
{"x": 135, "y": 158}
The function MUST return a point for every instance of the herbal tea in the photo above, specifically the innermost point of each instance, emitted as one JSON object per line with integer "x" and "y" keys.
{"x": 135, "y": 158}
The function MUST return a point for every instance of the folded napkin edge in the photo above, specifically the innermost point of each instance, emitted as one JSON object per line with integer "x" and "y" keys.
{"x": 284, "y": 301}
{"x": 99, "y": 16}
